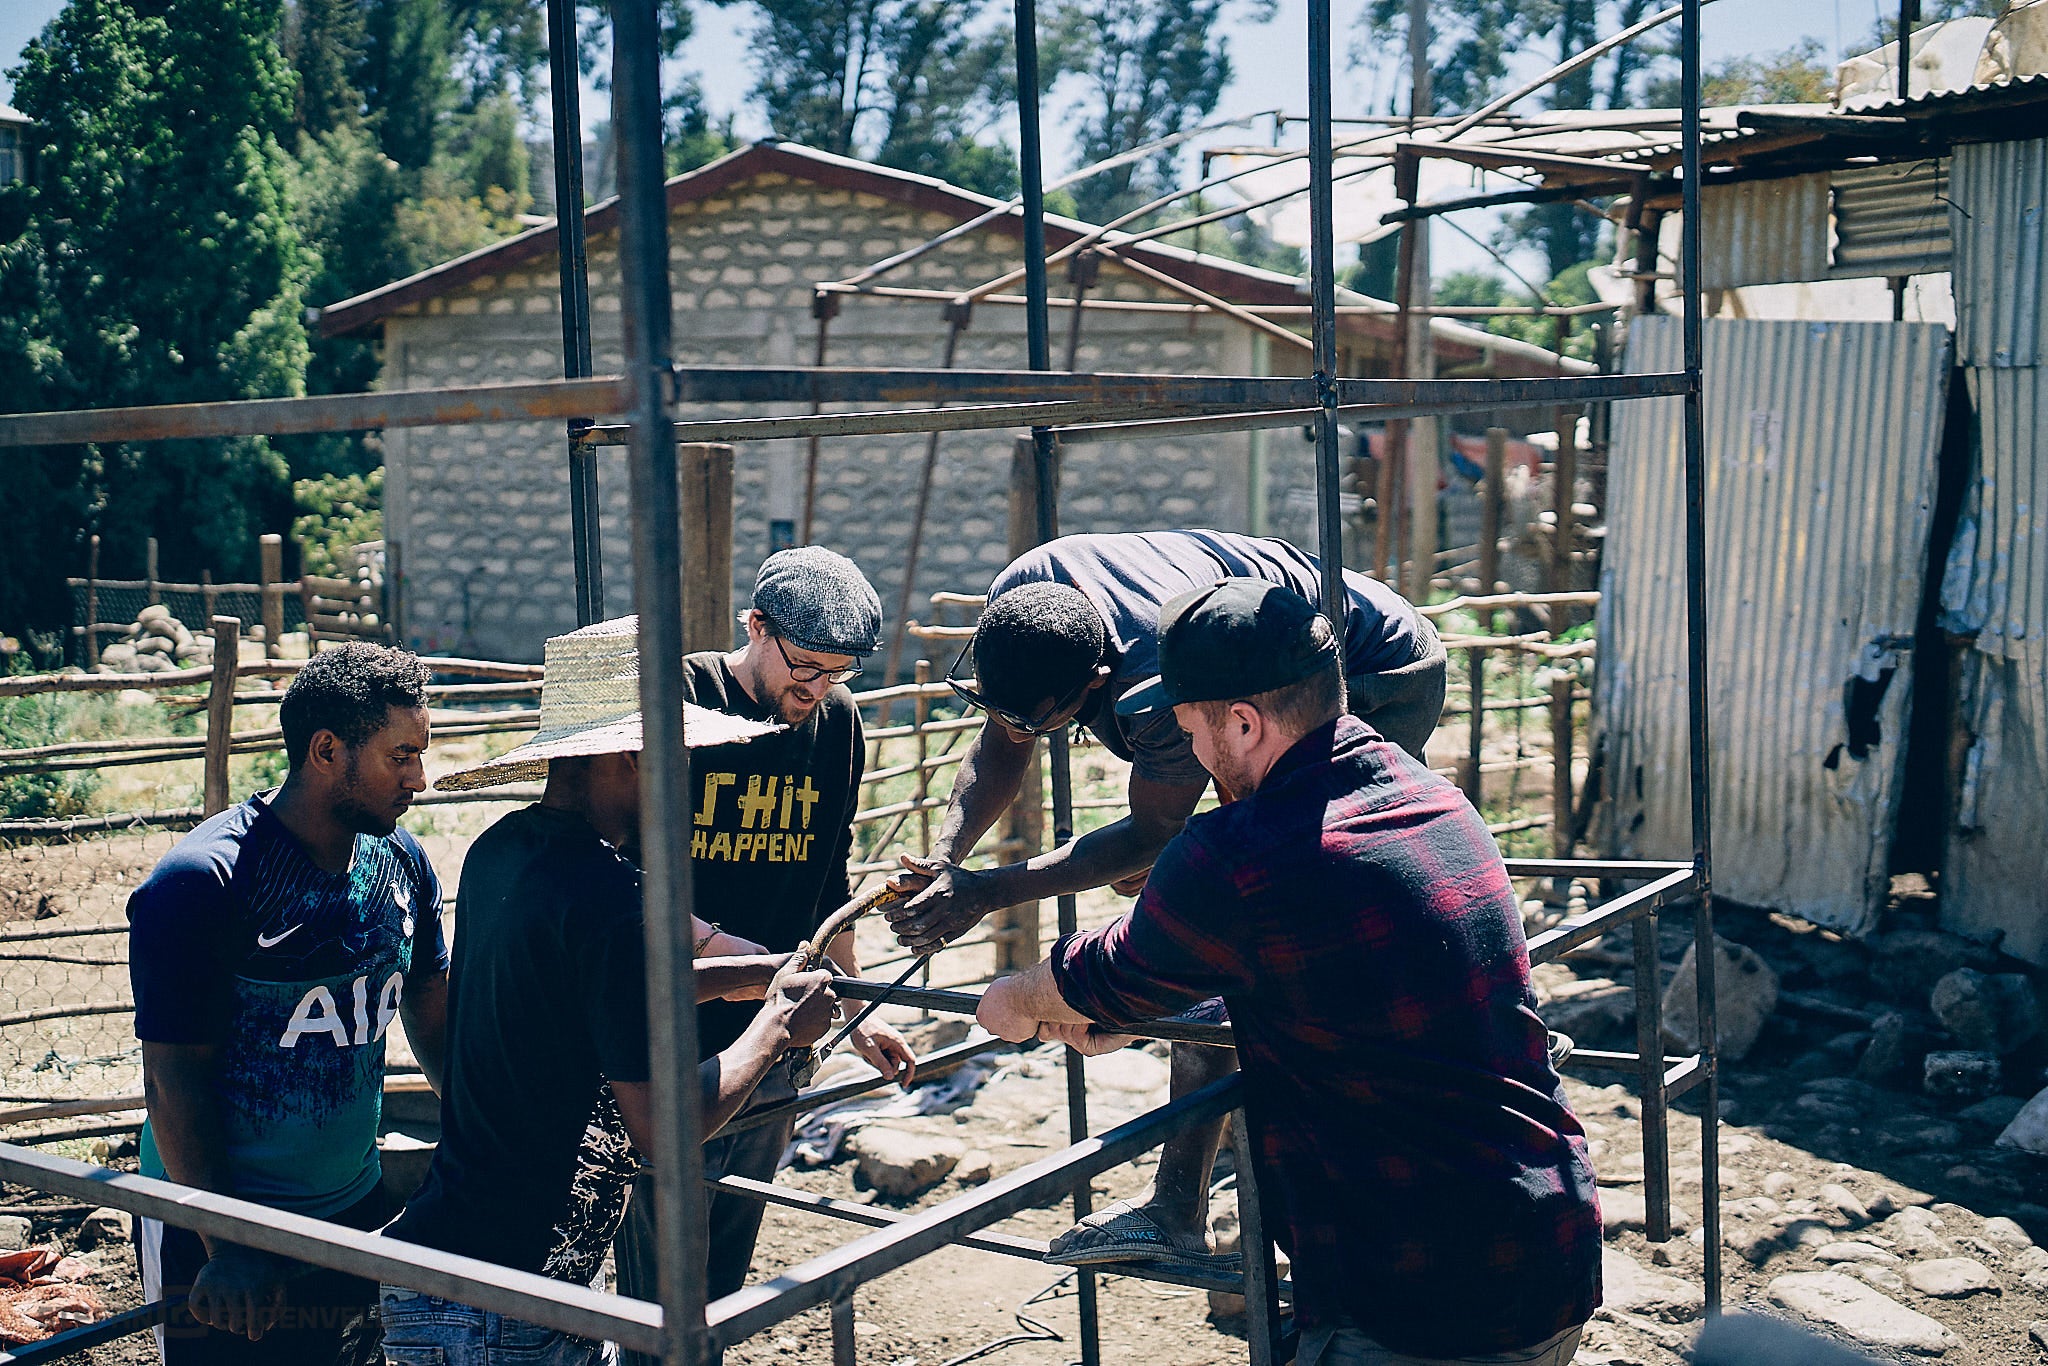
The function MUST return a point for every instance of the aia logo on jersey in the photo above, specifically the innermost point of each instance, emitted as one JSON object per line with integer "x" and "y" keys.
{"x": 319, "y": 1013}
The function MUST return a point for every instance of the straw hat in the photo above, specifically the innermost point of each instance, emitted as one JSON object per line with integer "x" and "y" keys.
{"x": 590, "y": 704}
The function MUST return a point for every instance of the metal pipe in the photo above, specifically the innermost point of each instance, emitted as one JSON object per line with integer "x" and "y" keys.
{"x": 819, "y": 1280}
{"x": 824, "y": 307}
{"x": 1322, "y": 272}
{"x": 1697, "y": 696}
{"x": 1255, "y": 1246}
{"x": 658, "y": 592}
{"x": 1554, "y": 943}
{"x": 565, "y": 93}
{"x": 480, "y": 404}
{"x": 965, "y": 1003}
{"x": 521, "y": 1294}
{"x": 1045, "y": 458}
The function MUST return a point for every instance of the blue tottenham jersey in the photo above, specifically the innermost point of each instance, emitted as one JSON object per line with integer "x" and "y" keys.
{"x": 241, "y": 941}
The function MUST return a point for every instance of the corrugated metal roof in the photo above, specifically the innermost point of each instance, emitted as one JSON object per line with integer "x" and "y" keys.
{"x": 1890, "y": 220}
{"x": 1821, "y": 442}
{"x": 1764, "y": 232}
{"x": 1998, "y": 190}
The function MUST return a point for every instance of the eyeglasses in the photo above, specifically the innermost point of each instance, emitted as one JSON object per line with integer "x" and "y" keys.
{"x": 1043, "y": 724}
{"x": 811, "y": 673}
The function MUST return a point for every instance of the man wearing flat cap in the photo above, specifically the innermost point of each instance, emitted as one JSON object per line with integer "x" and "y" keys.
{"x": 773, "y": 832}
{"x": 1414, "y": 1149}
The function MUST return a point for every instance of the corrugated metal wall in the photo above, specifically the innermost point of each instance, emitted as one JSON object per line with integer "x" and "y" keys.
{"x": 1996, "y": 586}
{"x": 1995, "y": 218}
{"x": 1821, "y": 443}
{"x": 1839, "y": 225}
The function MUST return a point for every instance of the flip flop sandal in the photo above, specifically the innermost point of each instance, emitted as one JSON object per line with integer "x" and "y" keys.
{"x": 1123, "y": 1232}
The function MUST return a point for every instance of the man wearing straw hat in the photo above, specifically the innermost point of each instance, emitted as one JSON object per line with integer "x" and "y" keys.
{"x": 771, "y": 840}
{"x": 548, "y": 1012}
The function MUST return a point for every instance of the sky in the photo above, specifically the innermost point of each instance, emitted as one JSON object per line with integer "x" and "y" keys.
{"x": 1267, "y": 58}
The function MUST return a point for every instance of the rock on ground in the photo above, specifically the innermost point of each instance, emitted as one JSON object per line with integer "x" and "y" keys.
{"x": 1860, "y": 1311}
{"x": 1889, "y": 1049}
{"x": 1746, "y": 990}
{"x": 1627, "y": 1285}
{"x": 900, "y": 1163}
{"x": 1959, "y": 1074}
{"x": 1905, "y": 964}
{"x": 1949, "y": 1278}
{"x": 2029, "y": 1128}
{"x": 105, "y": 1228}
{"x": 14, "y": 1232}
{"x": 1852, "y": 1252}
{"x": 1988, "y": 1013}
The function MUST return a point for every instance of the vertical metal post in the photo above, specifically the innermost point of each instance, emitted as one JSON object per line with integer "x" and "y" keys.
{"x": 1696, "y": 650}
{"x": 1475, "y": 723}
{"x": 658, "y": 593}
{"x": 1562, "y": 685}
{"x": 1909, "y": 15}
{"x": 1418, "y": 348}
{"x": 151, "y": 587}
{"x": 568, "y": 120}
{"x": 844, "y": 1352}
{"x": 1650, "y": 1082}
{"x": 1255, "y": 1245}
{"x": 1323, "y": 310}
{"x": 1045, "y": 460}
{"x": 1564, "y": 480}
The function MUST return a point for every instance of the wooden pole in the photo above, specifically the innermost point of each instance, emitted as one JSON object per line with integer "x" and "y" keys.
{"x": 707, "y": 546}
{"x": 1561, "y": 765}
{"x": 149, "y": 573}
{"x": 920, "y": 713}
{"x": 1017, "y": 927}
{"x": 1564, "y": 479}
{"x": 220, "y": 711}
{"x": 270, "y": 576}
{"x": 1492, "y": 495}
{"x": 92, "y": 603}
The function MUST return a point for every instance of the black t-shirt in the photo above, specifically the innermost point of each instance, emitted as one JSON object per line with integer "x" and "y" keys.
{"x": 770, "y": 845}
{"x": 547, "y": 1001}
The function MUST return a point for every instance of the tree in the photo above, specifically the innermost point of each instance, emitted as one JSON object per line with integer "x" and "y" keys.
{"x": 1149, "y": 69}
{"x": 160, "y": 230}
{"x": 1798, "y": 74}
{"x": 906, "y": 83}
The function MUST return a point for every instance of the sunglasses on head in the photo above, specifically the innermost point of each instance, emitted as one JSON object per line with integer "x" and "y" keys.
{"x": 811, "y": 673}
{"x": 1043, "y": 724}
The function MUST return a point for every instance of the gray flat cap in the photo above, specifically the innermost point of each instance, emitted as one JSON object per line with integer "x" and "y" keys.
{"x": 821, "y": 601}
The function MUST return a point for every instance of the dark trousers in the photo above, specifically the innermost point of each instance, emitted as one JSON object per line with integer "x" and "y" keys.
{"x": 1404, "y": 704}
{"x": 329, "y": 1319}
{"x": 726, "y": 1252}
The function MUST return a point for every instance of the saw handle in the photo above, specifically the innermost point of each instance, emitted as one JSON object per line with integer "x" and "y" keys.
{"x": 803, "y": 1060}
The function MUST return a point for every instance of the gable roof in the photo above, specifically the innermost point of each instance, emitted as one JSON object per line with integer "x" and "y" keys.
{"x": 1231, "y": 280}
{"x": 1228, "y": 279}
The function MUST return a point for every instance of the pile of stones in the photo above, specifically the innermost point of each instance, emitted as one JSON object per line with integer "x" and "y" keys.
{"x": 157, "y": 643}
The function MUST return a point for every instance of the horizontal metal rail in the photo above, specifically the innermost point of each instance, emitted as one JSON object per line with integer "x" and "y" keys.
{"x": 1594, "y": 867}
{"x": 140, "y": 1319}
{"x": 1002, "y": 1244}
{"x": 527, "y": 402}
{"x": 936, "y": 1064}
{"x": 542, "y": 399}
{"x": 552, "y": 1304}
{"x": 1553, "y": 943}
{"x": 898, "y": 421}
{"x": 966, "y": 1002}
{"x": 839, "y": 1272}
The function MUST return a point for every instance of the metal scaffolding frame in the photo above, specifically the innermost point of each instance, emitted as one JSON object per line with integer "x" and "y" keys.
{"x": 682, "y": 1328}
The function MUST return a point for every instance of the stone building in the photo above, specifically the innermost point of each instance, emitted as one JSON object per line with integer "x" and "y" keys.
{"x": 480, "y": 516}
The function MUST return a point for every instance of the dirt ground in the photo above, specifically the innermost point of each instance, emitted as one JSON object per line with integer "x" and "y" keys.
{"x": 1796, "y": 1119}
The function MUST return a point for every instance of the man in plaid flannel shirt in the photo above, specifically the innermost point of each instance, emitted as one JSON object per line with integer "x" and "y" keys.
{"x": 1414, "y": 1148}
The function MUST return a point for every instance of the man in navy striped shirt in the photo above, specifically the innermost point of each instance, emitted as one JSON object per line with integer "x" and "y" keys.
{"x": 1414, "y": 1149}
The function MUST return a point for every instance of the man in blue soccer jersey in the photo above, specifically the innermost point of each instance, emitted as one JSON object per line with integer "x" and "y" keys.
{"x": 270, "y": 953}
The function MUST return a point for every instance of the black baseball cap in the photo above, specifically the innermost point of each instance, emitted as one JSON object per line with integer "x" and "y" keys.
{"x": 1234, "y": 639}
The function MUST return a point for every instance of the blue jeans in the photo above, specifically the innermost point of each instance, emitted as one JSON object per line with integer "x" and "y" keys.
{"x": 426, "y": 1330}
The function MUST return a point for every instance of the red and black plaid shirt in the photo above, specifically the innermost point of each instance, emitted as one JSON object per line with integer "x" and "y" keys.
{"x": 1417, "y": 1157}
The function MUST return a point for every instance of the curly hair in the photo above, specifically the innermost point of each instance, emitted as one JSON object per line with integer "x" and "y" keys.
{"x": 1035, "y": 641}
{"x": 349, "y": 690}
